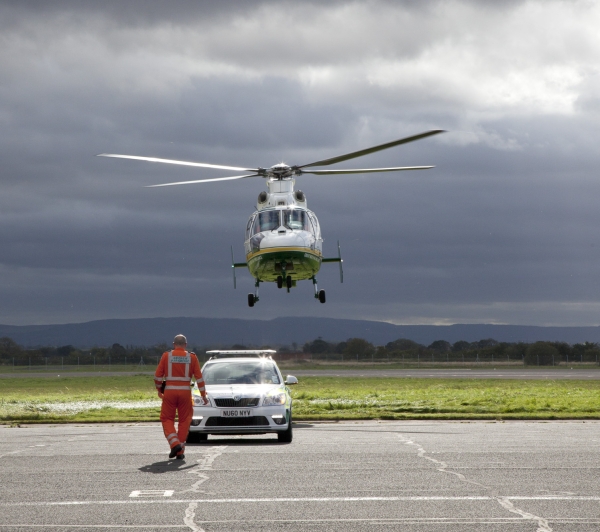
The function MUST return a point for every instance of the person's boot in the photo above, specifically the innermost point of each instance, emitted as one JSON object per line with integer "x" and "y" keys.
{"x": 180, "y": 455}
{"x": 175, "y": 450}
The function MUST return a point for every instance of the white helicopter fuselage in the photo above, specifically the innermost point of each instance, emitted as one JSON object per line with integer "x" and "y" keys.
{"x": 283, "y": 237}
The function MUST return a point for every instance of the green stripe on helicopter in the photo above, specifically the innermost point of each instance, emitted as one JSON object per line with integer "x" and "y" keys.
{"x": 298, "y": 263}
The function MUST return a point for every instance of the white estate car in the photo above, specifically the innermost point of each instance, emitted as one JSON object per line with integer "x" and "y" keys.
{"x": 247, "y": 395}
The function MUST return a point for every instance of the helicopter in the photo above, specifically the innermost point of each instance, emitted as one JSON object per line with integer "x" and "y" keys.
{"x": 283, "y": 241}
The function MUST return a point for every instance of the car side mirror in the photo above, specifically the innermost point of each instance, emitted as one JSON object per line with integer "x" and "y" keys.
{"x": 290, "y": 379}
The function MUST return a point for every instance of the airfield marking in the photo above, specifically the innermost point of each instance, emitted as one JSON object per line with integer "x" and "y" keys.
{"x": 381, "y": 520}
{"x": 11, "y": 452}
{"x": 190, "y": 514}
{"x": 543, "y": 525}
{"x": 204, "y": 461}
{"x": 505, "y": 502}
{"x": 205, "y": 464}
{"x": 443, "y": 466}
{"x": 35, "y": 446}
{"x": 312, "y": 499}
{"x": 152, "y": 493}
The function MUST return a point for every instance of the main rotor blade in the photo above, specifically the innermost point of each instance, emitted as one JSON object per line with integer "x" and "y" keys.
{"x": 366, "y": 170}
{"x": 173, "y": 161}
{"x": 203, "y": 180}
{"x": 367, "y": 151}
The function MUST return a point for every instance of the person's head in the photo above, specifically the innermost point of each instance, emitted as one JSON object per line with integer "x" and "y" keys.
{"x": 180, "y": 341}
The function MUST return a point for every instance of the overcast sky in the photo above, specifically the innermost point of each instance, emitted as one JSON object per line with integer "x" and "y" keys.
{"x": 505, "y": 229}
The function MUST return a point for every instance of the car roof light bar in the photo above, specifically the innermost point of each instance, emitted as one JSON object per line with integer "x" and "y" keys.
{"x": 241, "y": 353}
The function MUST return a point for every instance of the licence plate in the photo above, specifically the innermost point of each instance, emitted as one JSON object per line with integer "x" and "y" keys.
{"x": 236, "y": 412}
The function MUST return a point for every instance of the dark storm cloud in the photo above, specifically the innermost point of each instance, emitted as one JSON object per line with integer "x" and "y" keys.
{"x": 502, "y": 230}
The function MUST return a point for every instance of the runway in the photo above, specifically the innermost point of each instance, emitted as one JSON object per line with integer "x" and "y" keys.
{"x": 416, "y": 475}
{"x": 518, "y": 373}
{"x": 453, "y": 373}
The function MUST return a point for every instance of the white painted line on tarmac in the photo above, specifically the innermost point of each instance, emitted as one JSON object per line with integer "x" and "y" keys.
{"x": 190, "y": 514}
{"x": 309, "y": 499}
{"x": 152, "y": 493}
{"x": 118, "y": 527}
{"x": 542, "y": 522}
{"x": 381, "y": 520}
{"x": 11, "y": 452}
{"x": 205, "y": 464}
{"x": 505, "y": 502}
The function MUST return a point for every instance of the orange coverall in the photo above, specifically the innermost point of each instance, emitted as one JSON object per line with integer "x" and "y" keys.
{"x": 177, "y": 368}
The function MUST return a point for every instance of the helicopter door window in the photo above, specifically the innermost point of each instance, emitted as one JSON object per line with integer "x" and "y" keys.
{"x": 267, "y": 221}
{"x": 296, "y": 219}
{"x": 249, "y": 231}
{"x": 315, "y": 225}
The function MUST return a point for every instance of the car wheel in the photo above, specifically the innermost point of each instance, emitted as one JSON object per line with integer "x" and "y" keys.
{"x": 286, "y": 436}
{"x": 196, "y": 437}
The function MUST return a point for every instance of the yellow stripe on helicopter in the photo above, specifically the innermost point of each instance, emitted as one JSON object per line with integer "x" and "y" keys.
{"x": 316, "y": 253}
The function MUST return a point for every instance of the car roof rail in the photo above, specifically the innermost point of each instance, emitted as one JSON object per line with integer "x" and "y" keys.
{"x": 230, "y": 353}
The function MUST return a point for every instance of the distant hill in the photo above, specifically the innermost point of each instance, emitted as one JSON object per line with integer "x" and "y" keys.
{"x": 279, "y": 331}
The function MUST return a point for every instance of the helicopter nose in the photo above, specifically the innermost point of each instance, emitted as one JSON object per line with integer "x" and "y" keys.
{"x": 282, "y": 240}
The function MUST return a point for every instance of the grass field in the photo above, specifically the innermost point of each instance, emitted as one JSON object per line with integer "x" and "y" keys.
{"x": 291, "y": 365}
{"x": 133, "y": 398}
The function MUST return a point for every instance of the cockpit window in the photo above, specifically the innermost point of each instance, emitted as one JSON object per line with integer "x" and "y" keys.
{"x": 296, "y": 219}
{"x": 267, "y": 221}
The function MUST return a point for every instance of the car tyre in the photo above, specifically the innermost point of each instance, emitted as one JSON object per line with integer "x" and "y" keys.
{"x": 196, "y": 437}
{"x": 287, "y": 435}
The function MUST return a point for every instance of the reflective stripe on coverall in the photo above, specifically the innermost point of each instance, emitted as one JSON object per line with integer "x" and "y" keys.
{"x": 177, "y": 368}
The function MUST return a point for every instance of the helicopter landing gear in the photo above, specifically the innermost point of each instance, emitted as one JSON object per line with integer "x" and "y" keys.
{"x": 288, "y": 281}
{"x": 319, "y": 294}
{"x": 253, "y": 298}
{"x": 283, "y": 277}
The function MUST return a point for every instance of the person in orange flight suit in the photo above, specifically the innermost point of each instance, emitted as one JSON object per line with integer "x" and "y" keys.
{"x": 172, "y": 379}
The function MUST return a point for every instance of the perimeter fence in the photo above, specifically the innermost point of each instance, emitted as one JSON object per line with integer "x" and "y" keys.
{"x": 88, "y": 362}
{"x": 355, "y": 351}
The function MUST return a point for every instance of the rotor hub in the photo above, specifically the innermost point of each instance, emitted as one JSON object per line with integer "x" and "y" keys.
{"x": 280, "y": 171}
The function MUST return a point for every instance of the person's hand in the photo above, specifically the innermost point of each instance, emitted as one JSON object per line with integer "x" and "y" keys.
{"x": 161, "y": 395}
{"x": 205, "y": 400}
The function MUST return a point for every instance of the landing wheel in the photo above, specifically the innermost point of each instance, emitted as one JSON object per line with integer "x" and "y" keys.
{"x": 322, "y": 296}
{"x": 279, "y": 281}
{"x": 288, "y": 282}
{"x": 250, "y": 300}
